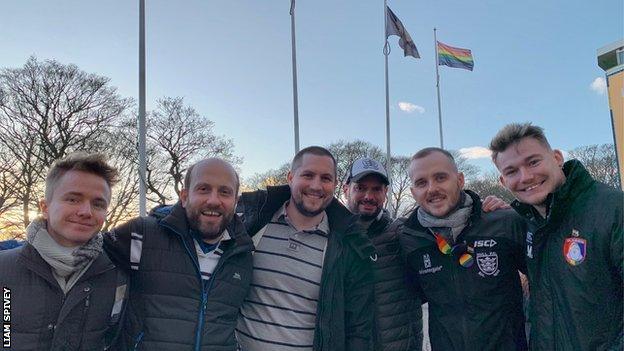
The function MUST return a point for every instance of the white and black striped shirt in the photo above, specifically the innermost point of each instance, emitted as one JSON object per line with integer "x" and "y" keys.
{"x": 279, "y": 313}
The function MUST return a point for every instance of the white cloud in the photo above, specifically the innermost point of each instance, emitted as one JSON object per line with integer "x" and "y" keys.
{"x": 475, "y": 152}
{"x": 599, "y": 85}
{"x": 409, "y": 107}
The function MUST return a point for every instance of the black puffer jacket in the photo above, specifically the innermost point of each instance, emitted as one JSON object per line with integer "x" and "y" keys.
{"x": 398, "y": 313}
{"x": 477, "y": 307}
{"x": 170, "y": 307}
{"x": 43, "y": 318}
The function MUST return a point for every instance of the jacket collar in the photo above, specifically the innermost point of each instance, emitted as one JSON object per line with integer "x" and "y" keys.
{"x": 342, "y": 223}
{"x": 413, "y": 223}
{"x": 578, "y": 181}
{"x": 34, "y": 262}
{"x": 379, "y": 224}
{"x": 175, "y": 219}
{"x": 340, "y": 218}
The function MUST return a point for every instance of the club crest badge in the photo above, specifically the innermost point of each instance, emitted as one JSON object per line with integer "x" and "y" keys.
{"x": 487, "y": 263}
{"x": 427, "y": 261}
{"x": 575, "y": 250}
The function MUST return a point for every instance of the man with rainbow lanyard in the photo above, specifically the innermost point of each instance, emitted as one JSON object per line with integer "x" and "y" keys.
{"x": 463, "y": 261}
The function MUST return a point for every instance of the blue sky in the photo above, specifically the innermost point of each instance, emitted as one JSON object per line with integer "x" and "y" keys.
{"x": 534, "y": 61}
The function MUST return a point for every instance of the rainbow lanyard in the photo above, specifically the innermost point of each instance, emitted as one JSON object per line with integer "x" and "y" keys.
{"x": 462, "y": 250}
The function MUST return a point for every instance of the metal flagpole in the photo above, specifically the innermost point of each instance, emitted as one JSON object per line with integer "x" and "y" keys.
{"x": 294, "y": 72}
{"x": 435, "y": 43}
{"x": 386, "y": 52}
{"x": 142, "y": 129}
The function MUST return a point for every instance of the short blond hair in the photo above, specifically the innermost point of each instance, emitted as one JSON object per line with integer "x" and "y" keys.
{"x": 512, "y": 134}
{"x": 80, "y": 161}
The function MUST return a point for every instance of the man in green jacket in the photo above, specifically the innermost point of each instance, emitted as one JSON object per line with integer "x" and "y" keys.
{"x": 312, "y": 284}
{"x": 573, "y": 246}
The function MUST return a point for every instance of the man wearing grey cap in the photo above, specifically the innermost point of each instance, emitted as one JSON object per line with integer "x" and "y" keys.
{"x": 398, "y": 316}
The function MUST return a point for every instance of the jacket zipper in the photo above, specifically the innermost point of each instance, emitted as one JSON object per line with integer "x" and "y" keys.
{"x": 204, "y": 295}
{"x": 546, "y": 259}
{"x": 205, "y": 289}
{"x": 458, "y": 288}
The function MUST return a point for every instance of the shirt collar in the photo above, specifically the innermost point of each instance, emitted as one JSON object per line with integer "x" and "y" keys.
{"x": 282, "y": 217}
{"x": 205, "y": 247}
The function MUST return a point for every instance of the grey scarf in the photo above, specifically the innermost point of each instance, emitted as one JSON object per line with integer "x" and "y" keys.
{"x": 451, "y": 225}
{"x": 68, "y": 263}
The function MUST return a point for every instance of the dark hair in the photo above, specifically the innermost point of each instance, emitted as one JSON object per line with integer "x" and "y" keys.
{"x": 512, "y": 134}
{"x": 80, "y": 161}
{"x": 314, "y": 150}
{"x": 189, "y": 173}
{"x": 428, "y": 151}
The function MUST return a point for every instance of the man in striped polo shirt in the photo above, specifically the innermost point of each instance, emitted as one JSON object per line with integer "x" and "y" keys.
{"x": 312, "y": 281}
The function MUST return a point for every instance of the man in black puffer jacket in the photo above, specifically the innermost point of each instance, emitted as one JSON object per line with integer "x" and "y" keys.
{"x": 398, "y": 314}
{"x": 190, "y": 269}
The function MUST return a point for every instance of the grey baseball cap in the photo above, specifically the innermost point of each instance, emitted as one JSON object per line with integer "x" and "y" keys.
{"x": 366, "y": 166}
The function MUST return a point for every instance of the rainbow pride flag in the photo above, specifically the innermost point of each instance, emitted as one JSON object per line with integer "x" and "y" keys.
{"x": 455, "y": 57}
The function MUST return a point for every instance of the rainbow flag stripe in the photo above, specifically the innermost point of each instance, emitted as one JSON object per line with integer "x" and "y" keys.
{"x": 443, "y": 245}
{"x": 466, "y": 260}
{"x": 455, "y": 57}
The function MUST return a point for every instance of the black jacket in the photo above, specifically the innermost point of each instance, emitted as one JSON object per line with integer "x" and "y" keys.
{"x": 474, "y": 308}
{"x": 398, "y": 313}
{"x": 44, "y": 318}
{"x": 345, "y": 309}
{"x": 170, "y": 307}
{"x": 576, "y": 301}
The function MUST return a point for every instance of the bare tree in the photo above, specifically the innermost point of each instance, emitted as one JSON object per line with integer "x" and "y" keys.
{"x": 47, "y": 110}
{"x": 179, "y": 136}
{"x": 600, "y": 161}
{"x": 402, "y": 200}
{"x": 469, "y": 170}
{"x": 489, "y": 184}
{"x": 272, "y": 177}
{"x": 123, "y": 154}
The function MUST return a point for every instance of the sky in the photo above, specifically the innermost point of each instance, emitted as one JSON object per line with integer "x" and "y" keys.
{"x": 231, "y": 60}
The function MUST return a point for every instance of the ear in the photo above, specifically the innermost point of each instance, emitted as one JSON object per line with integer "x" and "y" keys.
{"x": 183, "y": 197}
{"x": 558, "y": 157}
{"x": 501, "y": 180}
{"x": 413, "y": 192}
{"x": 43, "y": 206}
{"x": 289, "y": 177}
{"x": 345, "y": 189}
{"x": 461, "y": 180}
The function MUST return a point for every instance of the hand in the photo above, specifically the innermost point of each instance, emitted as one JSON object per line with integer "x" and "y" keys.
{"x": 493, "y": 203}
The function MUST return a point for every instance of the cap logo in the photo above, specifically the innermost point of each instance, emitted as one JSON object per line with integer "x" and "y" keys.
{"x": 370, "y": 164}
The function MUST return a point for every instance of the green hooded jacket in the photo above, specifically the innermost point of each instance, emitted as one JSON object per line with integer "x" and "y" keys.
{"x": 574, "y": 261}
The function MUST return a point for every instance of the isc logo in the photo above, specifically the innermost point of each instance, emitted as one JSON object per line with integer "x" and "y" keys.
{"x": 485, "y": 243}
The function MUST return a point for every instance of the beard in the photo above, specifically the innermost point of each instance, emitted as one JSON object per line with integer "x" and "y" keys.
{"x": 354, "y": 208}
{"x": 208, "y": 231}
{"x": 304, "y": 211}
{"x": 368, "y": 217}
